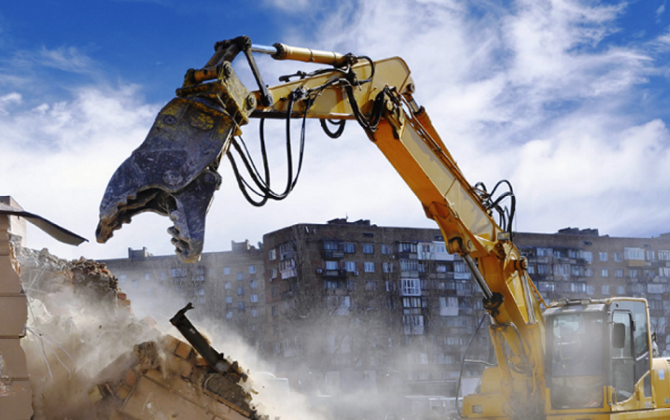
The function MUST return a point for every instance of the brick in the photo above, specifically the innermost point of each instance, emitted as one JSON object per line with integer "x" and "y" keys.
{"x": 5, "y": 249}
{"x": 14, "y": 314}
{"x": 170, "y": 343}
{"x": 10, "y": 283}
{"x": 16, "y": 401}
{"x": 183, "y": 350}
{"x": 95, "y": 393}
{"x": 131, "y": 378}
{"x": 14, "y": 359}
{"x": 123, "y": 391}
{"x": 185, "y": 369}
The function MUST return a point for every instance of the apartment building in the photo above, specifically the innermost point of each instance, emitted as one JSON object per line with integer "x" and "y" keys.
{"x": 225, "y": 286}
{"x": 355, "y": 307}
{"x": 577, "y": 264}
{"x": 348, "y": 307}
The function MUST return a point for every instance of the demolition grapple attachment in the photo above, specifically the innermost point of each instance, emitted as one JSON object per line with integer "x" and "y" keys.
{"x": 174, "y": 172}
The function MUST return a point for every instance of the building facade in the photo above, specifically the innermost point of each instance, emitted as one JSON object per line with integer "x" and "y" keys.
{"x": 225, "y": 286}
{"x": 345, "y": 308}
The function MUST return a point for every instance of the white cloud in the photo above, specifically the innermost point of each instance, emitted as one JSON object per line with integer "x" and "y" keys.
{"x": 58, "y": 157}
{"x": 68, "y": 59}
{"x": 531, "y": 93}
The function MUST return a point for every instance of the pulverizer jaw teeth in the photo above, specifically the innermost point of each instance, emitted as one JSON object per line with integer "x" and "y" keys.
{"x": 172, "y": 173}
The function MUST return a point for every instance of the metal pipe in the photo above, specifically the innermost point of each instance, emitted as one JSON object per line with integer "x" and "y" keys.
{"x": 478, "y": 276}
{"x": 526, "y": 295}
{"x": 264, "y": 49}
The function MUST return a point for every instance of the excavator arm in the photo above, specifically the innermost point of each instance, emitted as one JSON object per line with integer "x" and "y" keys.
{"x": 174, "y": 173}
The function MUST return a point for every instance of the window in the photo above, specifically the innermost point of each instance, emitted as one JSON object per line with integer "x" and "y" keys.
{"x": 390, "y": 286}
{"x": 545, "y": 286}
{"x": 577, "y": 271}
{"x": 618, "y": 256}
{"x": 229, "y": 315}
{"x": 664, "y": 255}
{"x": 254, "y": 313}
{"x": 633, "y": 254}
{"x": 147, "y": 276}
{"x": 664, "y": 271}
{"x": 409, "y": 265}
{"x": 651, "y": 255}
{"x": 604, "y": 272}
{"x": 632, "y": 273}
{"x": 588, "y": 256}
{"x": 239, "y": 276}
{"x": 578, "y": 287}
{"x": 411, "y": 287}
{"x": 253, "y": 284}
{"x": 531, "y": 269}
{"x": 272, "y": 255}
{"x": 387, "y": 267}
{"x": 178, "y": 272}
{"x": 561, "y": 269}
{"x": 254, "y": 298}
{"x": 226, "y": 271}
{"x": 602, "y": 256}
{"x": 588, "y": 272}
{"x": 350, "y": 266}
{"x": 240, "y": 291}
{"x": 369, "y": 267}
{"x": 387, "y": 249}
{"x": 226, "y": 285}
{"x": 229, "y": 299}
{"x": 441, "y": 268}
{"x": 544, "y": 252}
{"x": 618, "y": 272}
{"x": 122, "y": 278}
{"x": 275, "y": 311}
{"x": 605, "y": 289}
{"x": 240, "y": 306}
{"x": 655, "y": 288}
{"x": 349, "y": 248}
{"x": 273, "y": 273}
{"x": 370, "y": 285}
{"x": 411, "y": 302}
{"x": 542, "y": 269}
{"x": 252, "y": 269}
{"x": 621, "y": 290}
{"x": 368, "y": 249}
{"x": 407, "y": 247}
{"x": 331, "y": 265}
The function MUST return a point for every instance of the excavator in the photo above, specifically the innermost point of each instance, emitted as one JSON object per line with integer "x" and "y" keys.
{"x": 582, "y": 359}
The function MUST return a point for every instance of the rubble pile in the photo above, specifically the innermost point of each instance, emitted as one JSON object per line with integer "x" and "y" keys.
{"x": 89, "y": 358}
{"x": 165, "y": 379}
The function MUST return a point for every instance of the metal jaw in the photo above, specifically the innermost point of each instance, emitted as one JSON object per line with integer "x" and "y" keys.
{"x": 173, "y": 173}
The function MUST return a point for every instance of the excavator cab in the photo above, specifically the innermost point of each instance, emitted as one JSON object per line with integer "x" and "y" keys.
{"x": 597, "y": 355}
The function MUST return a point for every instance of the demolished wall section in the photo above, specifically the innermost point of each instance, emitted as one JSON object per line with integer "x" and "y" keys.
{"x": 15, "y": 388}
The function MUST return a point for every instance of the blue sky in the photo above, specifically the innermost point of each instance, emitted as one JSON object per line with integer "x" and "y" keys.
{"x": 567, "y": 99}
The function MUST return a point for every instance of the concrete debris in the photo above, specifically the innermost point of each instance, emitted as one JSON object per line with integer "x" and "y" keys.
{"x": 89, "y": 358}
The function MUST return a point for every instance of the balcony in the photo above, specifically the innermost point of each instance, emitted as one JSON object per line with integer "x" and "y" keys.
{"x": 338, "y": 273}
{"x": 332, "y": 254}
